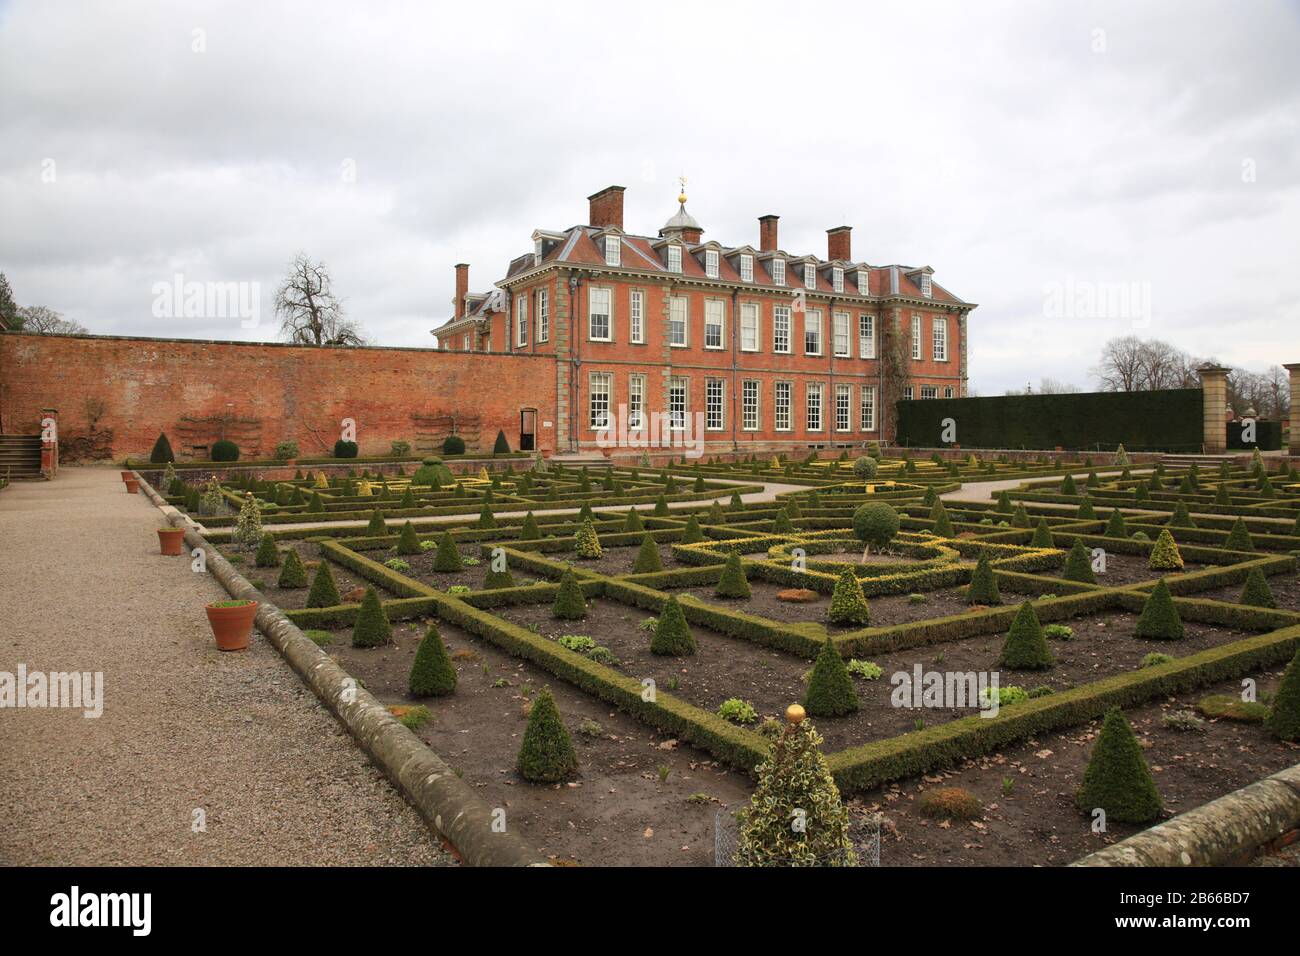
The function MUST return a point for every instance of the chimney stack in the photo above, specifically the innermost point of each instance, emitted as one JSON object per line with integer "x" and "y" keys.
{"x": 767, "y": 233}
{"x": 838, "y": 245}
{"x": 606, "y": 207}
{"x": 462, "y": 287}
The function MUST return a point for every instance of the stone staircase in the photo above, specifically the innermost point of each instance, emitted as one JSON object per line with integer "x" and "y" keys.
{"x": 20, "y": 456}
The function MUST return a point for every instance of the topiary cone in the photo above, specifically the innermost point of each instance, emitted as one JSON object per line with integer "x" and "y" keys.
{"x": 586, "y": 542}
{"x": 1042, "y": 537}
{"x": 485, "y": 517}
{"x": 268, "y": 555}
{"x": 733, "y": 583}
{"x": 1165, "y": 555}
{"x": 432, "y": 674}
{"x": 848, "y": 603}
{"x": 324, "y": 592}
{"x": 1257, "y": 593}
{"x": 371, "y": 628}
{"x": 1026, "y": 646}
{"x": 529, "y": 531}
{"x": 1117, "y": 779}
{"x": 1078, "y": 564}
{"x": 692, "y": 534}
{"x": 292, "y": 573}
{"x": 1283, "y": 721}
{"x": 830, "y": 688}
{"x": 569, "y": 604}
{"x": 672, "y": 635}
{"x": 408, "y": 542}
{"x": 633, "y": 522}
{"x": 942, "y": 526}
{"x": 546, "y": 754}
{"x": 377, "y": 525}
{"x": 983, "y": 587}
{"x": 1239, "y": 538}
{"x": 1115, "y": 527}
{"x": 1159, "y": 619}
{"x": 448, "y": 559}
{"x": 647, "y": 558}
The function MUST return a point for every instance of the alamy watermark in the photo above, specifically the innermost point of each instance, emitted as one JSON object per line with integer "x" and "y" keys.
{"x": 671, "y": 430}
{"x": 75, "y": 690}
{"x": 1089, "y": 299}
{"x": 179, "y": 299}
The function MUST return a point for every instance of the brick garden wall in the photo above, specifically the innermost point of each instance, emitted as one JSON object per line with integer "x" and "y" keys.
{"x": 141, "y": 386}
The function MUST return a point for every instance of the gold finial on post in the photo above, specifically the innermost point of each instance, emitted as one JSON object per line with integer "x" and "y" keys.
{"x": 795, "y": 714}
{"x": 681, "y": 196}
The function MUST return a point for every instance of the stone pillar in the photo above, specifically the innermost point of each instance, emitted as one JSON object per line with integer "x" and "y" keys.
{"x": 1294, "y": 369}
{"x": 1214, "y": 398}
{"x": 49, "y": 442}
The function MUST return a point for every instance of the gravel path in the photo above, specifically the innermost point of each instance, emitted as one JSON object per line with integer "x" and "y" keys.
{"x": 184, "y": 727}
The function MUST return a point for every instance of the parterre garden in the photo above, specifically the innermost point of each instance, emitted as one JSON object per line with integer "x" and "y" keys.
{"x": 612, "y": 677}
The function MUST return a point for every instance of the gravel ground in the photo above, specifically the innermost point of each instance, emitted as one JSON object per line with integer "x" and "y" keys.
{"x": 184, "y": 727}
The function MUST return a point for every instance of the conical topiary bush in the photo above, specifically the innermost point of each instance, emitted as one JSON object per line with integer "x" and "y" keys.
{"x": 546, "y": 754}
{"x": 162, "y": 451}
{"x": 569, "y": 604}
{"x": 1283, "y": 721}
{"x": 447, "y": 560}
{"x": 672, "y": 635}
{"x": 733, "y": 583}
{"x": 1159, "y": 620}
{"x": 377, "y": 525}
{"x": 647, "y": 558}
{"x": 407, "y": 499}
{"x": 1239, "y": 538}
{"x": 292, "y": 574}
{"x": 485, "y": 517}
{"x": 1086, "y": 511}
{"x": 1068, "y": 487}
{"x": 1020, "y": 518}
{"x": 1165, "y": 555}
{"x": 586, "y": 543}
{"x": 794, "y": 782}
{"x": 1115, "y": 526}
{"x": 942, "y": 525}
{"x": 268, "y": 555}
{"x": 830, "y": 687}
{"x": 371, "y": 628}
{"x": 848, "y": 603}
{"x": 1004, "y": 504}
{"x": 782, "y": 524}
{"x": 529, "y": 531}
{"x": 324, "y": 592}
{"x": 1026, "y": 646}
{"x": 432, "y": 674}
{"x": 983, "y": 587}
{"x": 661, "y": 507}
{"x": 692, "y": 534}
{"x": 633, "y": 522}
{"x": 495, "y": 579}
{"x": 408, "y": 542}
{"x": 1182, "y": 518}
{"x": 1078, "y": 564}
{"x": 1042, "y": 537}
{"x": 1257, "y": 593}
{"x": 1117, "y": 779}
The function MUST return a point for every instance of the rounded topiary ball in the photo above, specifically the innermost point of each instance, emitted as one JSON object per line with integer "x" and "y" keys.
{"x": 225, "y": 450}
{"x": 875, "y": 524}
{"x": 865, "y": 468}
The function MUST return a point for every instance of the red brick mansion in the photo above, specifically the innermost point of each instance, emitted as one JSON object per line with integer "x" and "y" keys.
{"x": 762, "y": 348}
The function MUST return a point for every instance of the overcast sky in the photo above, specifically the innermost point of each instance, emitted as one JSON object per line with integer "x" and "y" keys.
{"x": 1022, "y": 150}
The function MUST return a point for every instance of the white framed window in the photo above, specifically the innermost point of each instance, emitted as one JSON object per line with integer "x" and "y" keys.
{"x": 749, "y": 326}
{"x": 778, "y": 271}
{"x": 543, "y": 316}
{"x": 947, "y": 391}
{"x": 636, "y": 313}
{"x": 864, "y": 286}
{"x": 600, "y": 315}
{"x": 781, "y": 329}
{"x": 927, "y": 287}
{"x": 521, "y": 320}
{"x": 715, "y": 418}
{"x": 749, "y": 409}
{"x": 866, "y": 336}
{"x": 837, "y": 279}
{"x": 674, "y": 258}
{"x": 713, "y": 324}
{"x": 781, "y": 394}
{"x": 843, "y": 344}
{"x": 598, "y": 395}
{"x": 813, "y": 406}
{"x": 636, "y": 401}
{"x": 464, "y": 343}
{"x": 678, "y": 321}
{"x": 908, "y": 393}
{"x": 939, "y": 332}
{"x": 613, "y": 251}
{"x": 746, "y": 267}
{"x": 916, "y": 338}
{"x": 711, "y": 263}
{"x": 929, "y": 391}
{"x": 678, "y": 386}
{"x": 809, "y": 276}
{"x": 843, "y": 407}
{"x": 867, "y": 408}
{"x": 538, "y": 250}
{"x": 812, "y": 332}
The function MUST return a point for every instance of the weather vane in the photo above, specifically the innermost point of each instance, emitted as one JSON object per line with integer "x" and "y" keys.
{"x": 681, "y": 198}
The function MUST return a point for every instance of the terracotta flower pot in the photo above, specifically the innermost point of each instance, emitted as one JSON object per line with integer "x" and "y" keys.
{"x": 232, "y": 625}
{"x": 170, "y": 540}
{"x": 132, "y": 486}
{"x": 127, "y": 475}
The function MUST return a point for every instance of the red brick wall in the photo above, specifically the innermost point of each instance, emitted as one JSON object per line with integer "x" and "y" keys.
{"x": 278, "y": 392}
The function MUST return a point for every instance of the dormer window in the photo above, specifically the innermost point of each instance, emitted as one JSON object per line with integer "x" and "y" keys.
{"x": 863, "y": 288}
{"x": 810, "y": 277}
{"x": 926, "y": 287}
{"x": 778, "y": 271}
{"x": 674, "y": 258}
{"x": 538, "y": 251}
{"x": 837, "y": 279}
{"x": 746, "y": 268}
{"x": 613, "y": 251}
{"x": 711, "y": 263}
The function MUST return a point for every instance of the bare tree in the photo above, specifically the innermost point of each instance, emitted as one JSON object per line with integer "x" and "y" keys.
{"x": 43, "y": 321}
{"x": 309, "y": 312}
{"x": 1122, "y": 366}
{"x": 1050, "y": 386}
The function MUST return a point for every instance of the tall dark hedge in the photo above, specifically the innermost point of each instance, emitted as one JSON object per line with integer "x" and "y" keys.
{"x": 162, "y": 451}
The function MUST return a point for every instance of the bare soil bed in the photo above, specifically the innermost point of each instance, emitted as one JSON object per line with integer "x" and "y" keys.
{"x": 617, "y": 811}
{"x": 1285, "y": 588}
{"x": 264, "y": 579}
{"x": 1123, "y": 569}
{"x": 885, "y": 611}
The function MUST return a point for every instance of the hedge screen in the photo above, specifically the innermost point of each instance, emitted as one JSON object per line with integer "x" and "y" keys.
{"x": 1268, "y": 436}
{"x": 1168, "y": 420}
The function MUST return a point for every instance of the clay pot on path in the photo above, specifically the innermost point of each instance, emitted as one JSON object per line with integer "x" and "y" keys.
{"x": 132, "y": 486}
{"x": 232, "y": 623}
{"x": 170, "y": 540}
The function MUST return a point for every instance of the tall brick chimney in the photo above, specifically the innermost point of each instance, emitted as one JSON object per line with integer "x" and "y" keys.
{"x": 838, "y": 245}
{"x": 606, "y": 207}
{"x": 767, "y": 233}
{"x": 462, "y": 287}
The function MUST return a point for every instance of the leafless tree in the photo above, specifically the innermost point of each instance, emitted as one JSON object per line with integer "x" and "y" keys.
{"x": 309, "y": 312}
{"x": 1122, "y": 366}
{"x": 43, "y": 321}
